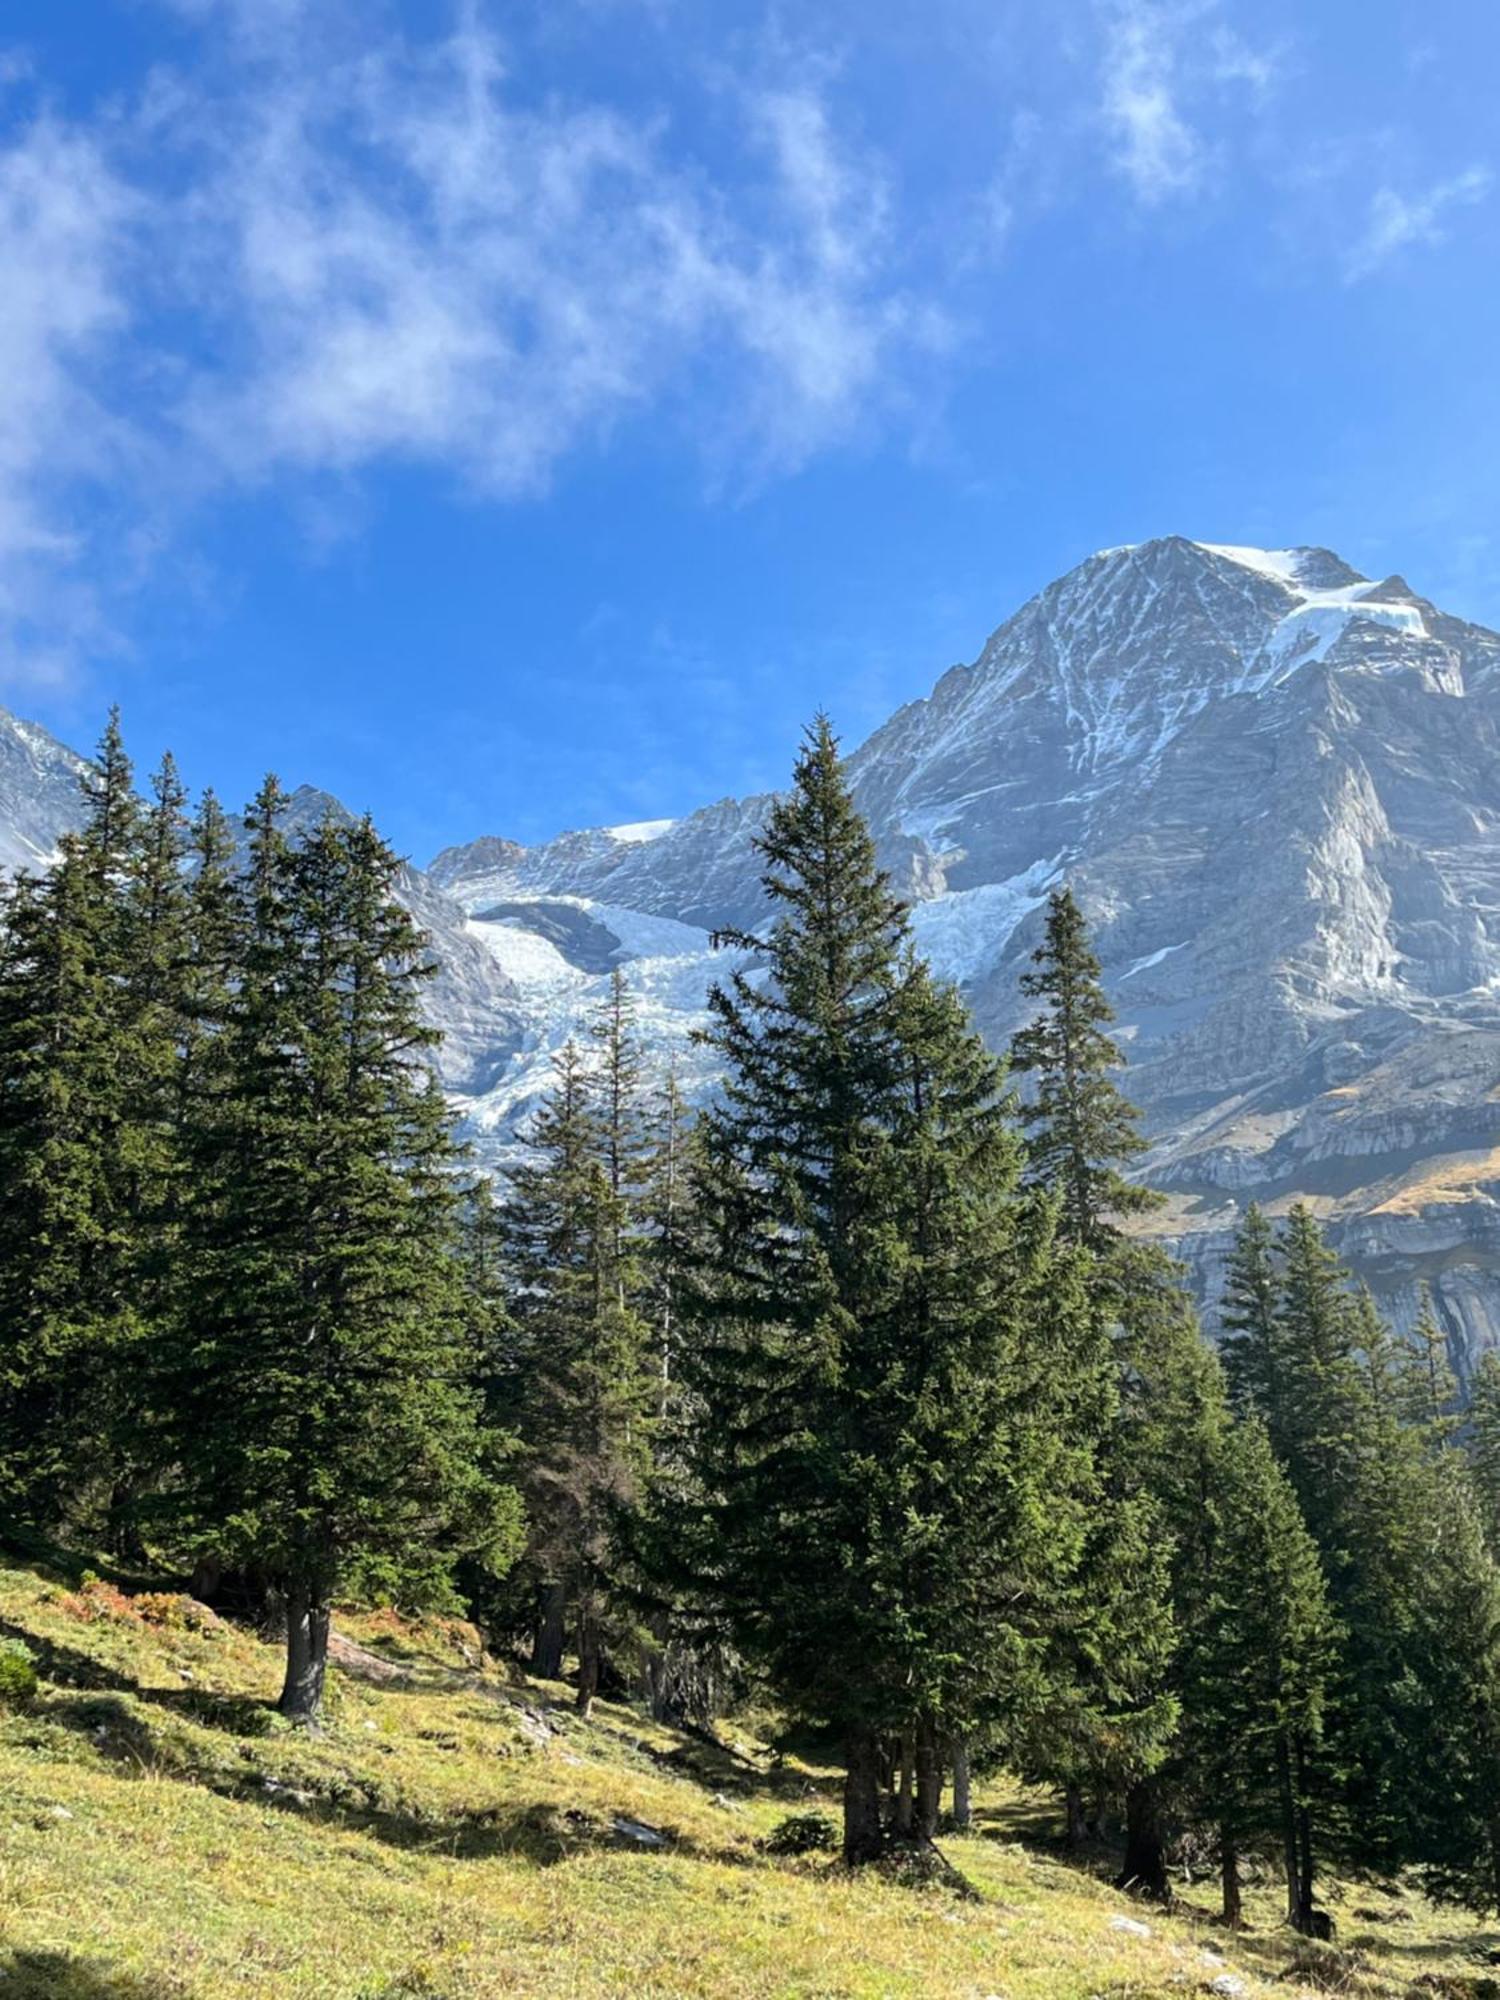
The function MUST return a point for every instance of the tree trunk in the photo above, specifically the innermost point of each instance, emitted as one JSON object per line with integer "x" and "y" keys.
{"x": 1145, "y": 1869}
{"x": 929, "y": 1782}
{"x": 1229, "y": 1876}
{"x": 1308, "y": 1923}
{"x": 1075, "y": 1830}
{"x": 547, "y": 1642}
{"x": 1295, "y": 1913}
{"x": 963, "y": 1799}
{"x": 864, "y": 1839}
{"x": 901, "y": 1823}
{"x": 588, "y": 1661}
{"x": 306, "y": 1655}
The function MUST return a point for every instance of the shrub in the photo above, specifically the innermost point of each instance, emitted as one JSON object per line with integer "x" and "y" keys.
{"x": 19, "y": 1680}
{"x": 802, "y": 1833}
{"x": 100, "y": 1603}
{"x": 174, "y": 1612}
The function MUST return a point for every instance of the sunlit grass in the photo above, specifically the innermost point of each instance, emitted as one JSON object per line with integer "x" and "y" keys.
{"x": 452, "y": 1834}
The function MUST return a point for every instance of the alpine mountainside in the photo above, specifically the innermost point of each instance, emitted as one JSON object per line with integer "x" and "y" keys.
{"x": 1270, "y": 783}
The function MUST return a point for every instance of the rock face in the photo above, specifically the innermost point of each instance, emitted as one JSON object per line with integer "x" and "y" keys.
{"x": 1273, "y": 786}
{"x": 39, "y": 796}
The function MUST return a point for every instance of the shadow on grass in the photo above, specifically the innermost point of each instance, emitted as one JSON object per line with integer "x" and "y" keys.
{"x": 69, "y": 1667}
{"x": 539, "y": 1833}
{"x": 58, "y": 1563}
{"x": 51, "y": 1975}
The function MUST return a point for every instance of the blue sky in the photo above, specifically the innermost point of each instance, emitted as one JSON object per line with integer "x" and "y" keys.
{"x": 516, "y": 418}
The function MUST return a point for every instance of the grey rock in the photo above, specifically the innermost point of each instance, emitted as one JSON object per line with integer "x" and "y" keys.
{"x": 39, "y": 794}
{"x": 1272, "y": 785}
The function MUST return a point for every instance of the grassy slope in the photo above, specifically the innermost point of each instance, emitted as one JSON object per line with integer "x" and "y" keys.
{"x": 158, "y": 1839}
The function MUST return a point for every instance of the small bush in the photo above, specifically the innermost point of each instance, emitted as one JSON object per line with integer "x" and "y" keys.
{"x": 802, "y": 1833}
{"x": 174, "y": 1612}
{"x": 100, "y": 1603}
{"x": 19, "y": 1680}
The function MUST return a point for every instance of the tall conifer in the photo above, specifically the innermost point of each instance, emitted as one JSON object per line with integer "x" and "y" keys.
{"x": 896, "y": 1380}
{"x": 324, "y": 1417}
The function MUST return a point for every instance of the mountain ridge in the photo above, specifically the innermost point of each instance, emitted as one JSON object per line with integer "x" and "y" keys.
{"x": 1269, "y": 780}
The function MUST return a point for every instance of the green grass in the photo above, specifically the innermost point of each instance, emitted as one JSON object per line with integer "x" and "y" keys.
{"x": 162, "y": 1835}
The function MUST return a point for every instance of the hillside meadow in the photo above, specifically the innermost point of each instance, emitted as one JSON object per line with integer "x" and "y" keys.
{"x": 456, "y": 1833}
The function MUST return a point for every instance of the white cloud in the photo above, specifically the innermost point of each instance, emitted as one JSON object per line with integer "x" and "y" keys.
{"x": 64, "y": 222}
{"x": 1163, "y": 60}
{"x": 1396, "y": 222}
{"x": 423, "y": 267}
{"x": 312, "y": 253}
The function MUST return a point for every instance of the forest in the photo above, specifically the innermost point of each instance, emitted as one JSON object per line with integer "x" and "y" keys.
{"x": 861, "y": 1391}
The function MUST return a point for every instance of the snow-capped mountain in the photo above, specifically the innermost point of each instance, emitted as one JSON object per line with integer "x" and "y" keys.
{"x": 1271, "y": 782}
{"x": 39, "y": 795}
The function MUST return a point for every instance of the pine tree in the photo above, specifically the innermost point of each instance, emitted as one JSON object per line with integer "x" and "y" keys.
{"x": 1426, "y": 1388}
{"x": 1257, "y": 1665}
{"x": 1082, "y": 1129}
{"x": 1484, "y": 1445}
{"x": 667, "y": 1218}
{"x": 1367, "y": 1493}
{"x": 1251, "y": 1316}
{"x": 1445, "y": 1773}
{"x": 68, "y": 1152}
{"x": 582, "y": 1365}
{"x": 322, "y": 1407}
{"x": 896, "y": 1381}
{"x": 618, "y": 1078}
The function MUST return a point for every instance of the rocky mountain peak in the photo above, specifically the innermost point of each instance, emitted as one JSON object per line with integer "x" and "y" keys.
{"x": 1269, "y": 780}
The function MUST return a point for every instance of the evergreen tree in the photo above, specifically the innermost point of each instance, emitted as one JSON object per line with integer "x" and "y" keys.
{"x": 1446, "y": 1777}
{"x": 896, "y": 1381}
{"x": 68, "y": 1151}
{"x": 618, "y": 1082}
{"x": 1426, "y": 1387}
{"x": 1082, "y": 1129}
{"x": 1258, "y": 1665}
{"x": 1251, "y": 1316}
{"x": 666, "y": 1211}
{"x": 1484, "y": 1445}
{"x": 1369, "y": 1497}
{"x": 582, "y": 1365}
{"x": 322, "y": 1411}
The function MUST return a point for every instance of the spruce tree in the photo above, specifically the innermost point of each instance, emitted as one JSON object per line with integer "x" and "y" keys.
{"x": 1082, "y": 1129}
{"x": 1484, "y": 1445}
{"x": 896, "y": 1381}
{"x": 69, "y": 1070}
{"x": 582, "y": 1366}
{"x": 1445, "y": 1773}
{"x": 1370, "y": 1493}
{"x": 667, "y": 1217}
{"x": 1257, "y": 1665}
{"x": 1426, "y": 1387}
{"x": 1251, "y": 1316}
{"x": 323, "y": 1414}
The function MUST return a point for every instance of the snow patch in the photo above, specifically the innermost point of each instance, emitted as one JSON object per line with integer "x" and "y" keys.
{"x": 1324, "y": 616}
{"x": 640, "y": 830}
{"x": 964, "y": 933}
{"x": 534, "y": 963}
{"x": 1284, "y": 565}
{"x": 1152, "y": 958}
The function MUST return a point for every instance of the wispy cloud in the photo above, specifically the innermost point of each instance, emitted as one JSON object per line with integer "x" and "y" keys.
{"x": 1398, "y": 222}
{"x": 316, "y": 255}
{"x": 1162, "y": 61}
{"x": 423, "y": 267}
{"x": 65, "y": 222}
